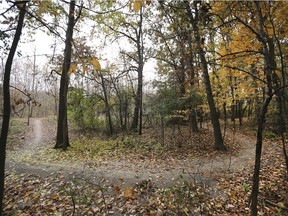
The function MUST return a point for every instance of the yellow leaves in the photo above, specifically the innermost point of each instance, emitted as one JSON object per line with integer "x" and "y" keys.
{"x": 96, "y": 63}
{"x": 19, "y": 101}
{"x": 85, "y": 68}
{"x": 138, "y": 4}
{"x": 218, "y": 7}
{"x": 129, "y": 193}
{"x": 55, "y": 196}
{"x": 85, "y": 65}
{"x": 73, "y": 68}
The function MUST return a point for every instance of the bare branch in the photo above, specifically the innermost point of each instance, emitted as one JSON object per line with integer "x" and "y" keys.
{"x": 242, "y": 70}
{"x": 3, "y": 14}
{"x": 45, "y": 25}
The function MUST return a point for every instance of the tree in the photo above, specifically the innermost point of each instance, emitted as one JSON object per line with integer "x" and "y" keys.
{"x": 6, "y": 95}
{"x": 62, "y": 139}
{"x": 138, "y": 109}
{"x": 269, "y": 68}
{"x": 195, "y": 22}
{"x": 131, "y": 28}
{"x": 175, "y": 53}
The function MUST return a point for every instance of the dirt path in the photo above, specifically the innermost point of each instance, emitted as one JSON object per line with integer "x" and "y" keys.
{"x": 37, "y": 130}
{"x": 188, "y": 169}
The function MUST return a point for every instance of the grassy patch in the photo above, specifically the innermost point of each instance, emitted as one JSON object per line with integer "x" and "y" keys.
{"x": 17, "y": 131}
{"x": 96, "y": 149}
{"x": 147, "y": 147}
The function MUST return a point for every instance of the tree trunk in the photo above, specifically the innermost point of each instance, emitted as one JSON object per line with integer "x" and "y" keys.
{"x": 107, "y": 107}
{"x": 138, "y": 109}
{"x": 162, "y": 131}
{"x": 282, "y": 101}
{"x": 6, "y": 102}
{"x": 135, "y": 120}
{"x": 282, "y": 124}
{"x": 194, "y": 126}
{"x": 62, "y": 140}
{"x": 119, "y": 96}
{"x": 260, "y": 126}
{"x": 269, "y": 65}
{"x": 240, "y": 111}
{"x": 219, "y": 144}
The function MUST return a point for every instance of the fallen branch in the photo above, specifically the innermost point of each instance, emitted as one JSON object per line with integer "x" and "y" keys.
{"x": 276, "y": 205}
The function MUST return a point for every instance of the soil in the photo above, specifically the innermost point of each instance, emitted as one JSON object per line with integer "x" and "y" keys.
{"x": 201, "y": 170}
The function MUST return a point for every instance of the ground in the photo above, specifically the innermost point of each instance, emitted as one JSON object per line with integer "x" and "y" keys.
{"x": 131, "y": 179}
{"x": 136, "y": 171}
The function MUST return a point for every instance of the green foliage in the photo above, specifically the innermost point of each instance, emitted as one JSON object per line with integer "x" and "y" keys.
{"x": 96, "y": 150}
{"x": 17, "y": 131}
{"x": 193, "y": 99}
{"x": 269, "y": 134}
{"x": 246, "y": 187}
{"x": 167, "y": 101}
{"x": 86, "y": 110}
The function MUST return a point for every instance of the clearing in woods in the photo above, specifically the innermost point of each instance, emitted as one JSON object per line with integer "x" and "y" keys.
{"x": 42, "y": 136}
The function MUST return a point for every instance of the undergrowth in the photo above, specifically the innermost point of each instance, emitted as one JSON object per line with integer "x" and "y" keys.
{"x": 17, "y": 132}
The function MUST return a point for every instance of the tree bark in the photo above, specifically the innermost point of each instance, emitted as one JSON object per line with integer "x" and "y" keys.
{"x": 283, "y": 128}
{"x": 260, "y": 126}
{"x": 107, "y": 106}
{"x": 194, "y": 126}
{"x": 219, "y": 144}
{"x": 6, "y": 102}
{"x": 269, "y": 65}
{"x": 138, "y": 109}
{"x": 62, "y": 139}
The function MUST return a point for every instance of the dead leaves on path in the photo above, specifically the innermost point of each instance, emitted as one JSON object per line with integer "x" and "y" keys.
{"x": 32, "y": 195}
{"x": 144, "y": 152}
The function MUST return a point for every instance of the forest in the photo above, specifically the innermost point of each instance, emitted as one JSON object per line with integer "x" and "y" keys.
{"x": 143, "y": 107}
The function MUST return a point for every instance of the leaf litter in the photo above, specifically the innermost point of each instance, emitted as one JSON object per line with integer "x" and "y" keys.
{"x": 226, "y": 194}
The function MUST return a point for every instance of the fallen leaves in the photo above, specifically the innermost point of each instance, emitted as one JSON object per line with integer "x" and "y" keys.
{"x": 59, "y": 195}
{"x": 129, "y": 193}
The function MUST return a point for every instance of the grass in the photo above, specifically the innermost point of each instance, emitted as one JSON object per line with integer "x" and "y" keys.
{"x": 97, "y": 149}
{"x": 17, "y": 130}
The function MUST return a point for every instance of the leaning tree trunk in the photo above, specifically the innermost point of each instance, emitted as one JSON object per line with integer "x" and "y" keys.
{"x": 283, "y": 128}
{"x": 62, "y": 140}
{"x": 6, "y": 100}
{"x": 219, "y": 144}
{"x": 259, "y": 142}
{"x": 269, "y": 66}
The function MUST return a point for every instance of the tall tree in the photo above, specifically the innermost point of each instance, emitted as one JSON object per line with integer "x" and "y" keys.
{"x": 269, "y": 68}
{"x": 62, "y": 139}
{"x": 138, "y": 109}
{"x": 6, "y": 96}
{"x": 176, "y": 39}
{"x": 195, "y": 20}
{"x": 130, "y": 27}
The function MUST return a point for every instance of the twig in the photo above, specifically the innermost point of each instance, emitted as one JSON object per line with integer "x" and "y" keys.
{"x": 3, "y": 14}
{"x": 74, "y": 205}
{"x": 276, "y": 205}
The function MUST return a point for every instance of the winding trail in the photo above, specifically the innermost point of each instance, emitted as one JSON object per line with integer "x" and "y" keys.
{"x": 189, "y": 169}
